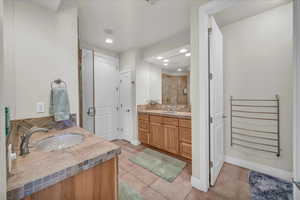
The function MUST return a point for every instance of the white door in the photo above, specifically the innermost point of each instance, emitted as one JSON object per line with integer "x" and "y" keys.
{"x": 126, "y": 105}
{"x": 106, "y": 96}
{"x": 216, "y": 102}
{"x": 87, "y": 77}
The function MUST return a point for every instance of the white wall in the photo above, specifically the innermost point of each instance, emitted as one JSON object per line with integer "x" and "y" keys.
{"x": 148, "y": 83}
{"x": 44, "y": 48}
{"x": 2, "y": 128}
{"x": 128, "y": 59}
{"x": 258, "y": 64}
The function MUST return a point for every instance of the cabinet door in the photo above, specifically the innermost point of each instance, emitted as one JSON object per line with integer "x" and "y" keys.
{"x": 143, "y": 137}
{"x": 157, "y": 136}
{"x": 171, "y": 139}
{"x": 186, "y": 150}
{"x": 185, "y": 135}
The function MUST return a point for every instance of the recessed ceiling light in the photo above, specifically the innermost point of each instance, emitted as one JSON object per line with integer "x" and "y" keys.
{"x": 166, "y": 60}
{"x": 109, "y": 40}
{"x": 179, "y": 69}
{"x": 184, "y": 50}
{"x": 159, "y": 57}
{"x": 166, "y": 64}
{"x": 188, "y": 54}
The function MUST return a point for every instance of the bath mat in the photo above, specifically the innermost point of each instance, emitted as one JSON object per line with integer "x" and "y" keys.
{"x": 160, "y": 164}
{"x": 265, "y": 187}
{"x": 127, "y": 193}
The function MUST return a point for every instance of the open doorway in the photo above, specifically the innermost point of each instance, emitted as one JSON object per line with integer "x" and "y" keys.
{"x": 99, "y": 78}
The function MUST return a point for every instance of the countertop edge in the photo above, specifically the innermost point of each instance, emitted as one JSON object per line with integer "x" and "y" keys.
{"x": 45, "y": 182}
{"x": 166, "y": 114}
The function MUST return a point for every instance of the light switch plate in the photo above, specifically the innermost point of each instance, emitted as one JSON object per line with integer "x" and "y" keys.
{"x": 40, "y": 107}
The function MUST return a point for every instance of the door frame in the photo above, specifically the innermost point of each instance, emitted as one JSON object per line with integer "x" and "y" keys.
{"x": 296, "y": 103}
{"x": 3, "y": 166}
{"x": 200, "y": 89}
{"x": 133, "y": 139}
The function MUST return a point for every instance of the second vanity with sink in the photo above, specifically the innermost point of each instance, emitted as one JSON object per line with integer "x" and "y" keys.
{"x": 67, "y": 164}
{"x": 169, "y": 131}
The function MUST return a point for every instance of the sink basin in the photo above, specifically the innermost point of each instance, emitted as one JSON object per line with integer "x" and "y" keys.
{"x": 59, "y": 142}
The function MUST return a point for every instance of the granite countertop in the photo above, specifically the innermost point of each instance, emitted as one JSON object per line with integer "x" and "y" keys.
{"x": 39, "y": 170}
{"x": 185, "y": 115}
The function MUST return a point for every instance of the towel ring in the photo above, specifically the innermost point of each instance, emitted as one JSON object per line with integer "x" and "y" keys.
{"x": 58, "y": 82}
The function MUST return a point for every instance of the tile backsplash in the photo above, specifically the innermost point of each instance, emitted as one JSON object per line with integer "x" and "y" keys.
{"x": 19, "y": 126}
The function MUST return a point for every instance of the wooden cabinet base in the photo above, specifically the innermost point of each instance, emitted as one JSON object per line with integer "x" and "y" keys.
{"x": 97, "y": 183}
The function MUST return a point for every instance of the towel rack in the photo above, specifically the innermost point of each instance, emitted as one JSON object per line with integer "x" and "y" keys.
{"x": 263, "y": 114}
{"x": 58, "y": 82}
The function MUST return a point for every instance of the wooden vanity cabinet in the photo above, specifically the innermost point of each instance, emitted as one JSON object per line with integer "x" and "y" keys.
{"x": 170, "y": 134}
{"x": 97, "y": 183}
{"x": 144, "y": 128}
{"x": 185, "y": 138}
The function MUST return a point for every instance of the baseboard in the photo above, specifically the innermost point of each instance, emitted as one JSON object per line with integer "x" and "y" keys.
{"x": 260, "y": 168}
{"x": 135, "y": 142}
{"x": 196, "y": 183}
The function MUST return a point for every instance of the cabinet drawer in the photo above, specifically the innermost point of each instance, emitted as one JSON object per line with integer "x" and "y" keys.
{"x": 186, "y": 150}
{"x": 143, "y": 116}
{"x": 187, "y": 123}
{"x": 143, "y": 125}
{"x": 170, "y": 121}
{"x": 185, "y": 135}
{"x": 144, "y": 137}
{"x": 156, "y": 119}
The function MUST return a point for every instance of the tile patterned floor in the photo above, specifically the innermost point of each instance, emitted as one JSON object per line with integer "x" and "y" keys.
{"x": 232, "y": 184}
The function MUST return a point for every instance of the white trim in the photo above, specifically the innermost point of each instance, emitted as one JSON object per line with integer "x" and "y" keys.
{"x": 280, "y": 173}
{"x": 296, "y": 104}
{"x": 135, "y": 142}
{"x": 196, "y": 183}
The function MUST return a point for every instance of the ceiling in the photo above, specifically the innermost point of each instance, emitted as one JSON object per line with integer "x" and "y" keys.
{"x": 176, "y": 59}
{"x": 134, "y": 23}
{"x": 246, "y": 9}
{"x": 52, "y": 5}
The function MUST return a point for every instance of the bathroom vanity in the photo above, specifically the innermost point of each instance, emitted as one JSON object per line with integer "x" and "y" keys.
{"x": 167, "y": 131}
{"x": 88, "y": 170}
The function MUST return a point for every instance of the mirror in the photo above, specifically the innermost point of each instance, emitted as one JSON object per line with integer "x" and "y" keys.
{"x": 175, "y": 75}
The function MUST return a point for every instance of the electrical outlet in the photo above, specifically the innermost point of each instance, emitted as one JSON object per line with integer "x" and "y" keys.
{"x": 40, "y": 107}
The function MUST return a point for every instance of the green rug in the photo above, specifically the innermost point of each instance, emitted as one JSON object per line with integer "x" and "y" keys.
{"x": 160, "y": 164}
{"x": 127, "y": 193}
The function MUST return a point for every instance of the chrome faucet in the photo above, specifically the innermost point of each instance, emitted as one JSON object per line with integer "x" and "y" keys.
{"x": 24, "y": 149}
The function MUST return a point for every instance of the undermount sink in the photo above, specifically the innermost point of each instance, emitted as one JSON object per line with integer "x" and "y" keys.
{"x": 59, "y": 142}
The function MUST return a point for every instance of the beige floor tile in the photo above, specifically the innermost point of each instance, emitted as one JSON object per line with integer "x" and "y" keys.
{"x": 150, "y": 194}
{"x": 177, "y": 190}
{"x": 133, "y": 182}
{"x": 144, "y": 175}
{"x": 127, "y": 165}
